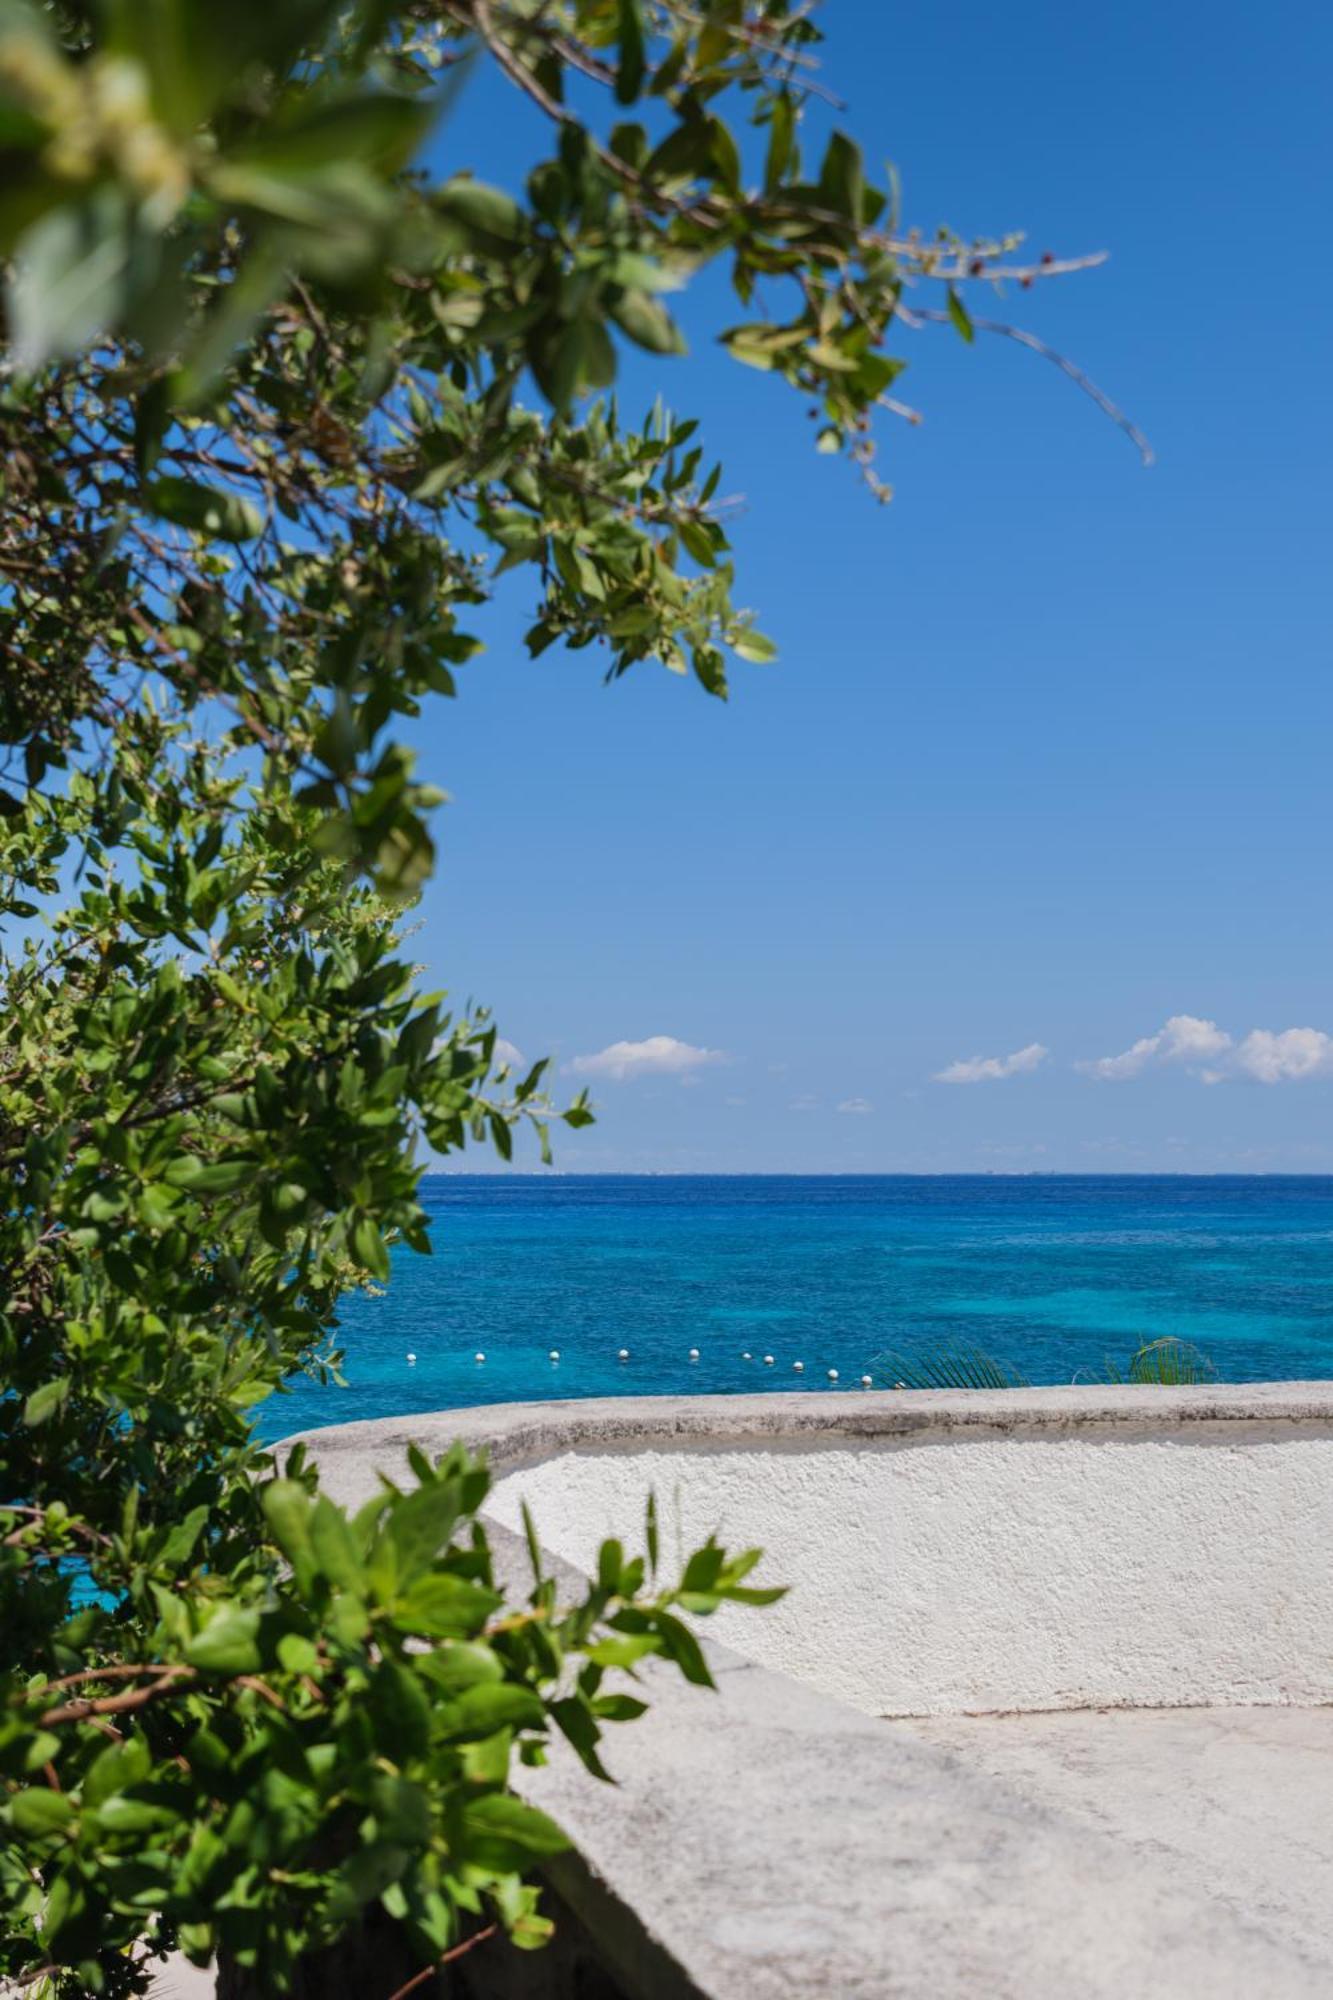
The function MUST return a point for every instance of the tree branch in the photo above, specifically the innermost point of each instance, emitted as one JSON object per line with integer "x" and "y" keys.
{"x": 457, "y": 1951}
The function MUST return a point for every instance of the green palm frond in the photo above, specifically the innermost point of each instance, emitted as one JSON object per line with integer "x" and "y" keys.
{"x": 945, "y": 1367}
{"x": 1167, "y": 1363}
{"x": 1170, "y": 1363}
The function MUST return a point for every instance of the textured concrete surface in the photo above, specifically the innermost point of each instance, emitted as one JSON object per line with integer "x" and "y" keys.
{"x": 1057, "y": 1548}
{"x": 778, "y": 1844}
{"x": 521, "y": 1433}
{"x": 770, "y": 1842}
{"x": 1232, "y": 1804}
{"x": 1005, "y": 1571}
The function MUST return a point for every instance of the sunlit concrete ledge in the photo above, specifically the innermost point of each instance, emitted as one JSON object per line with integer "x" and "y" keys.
{"x": 1103, "y": 1619}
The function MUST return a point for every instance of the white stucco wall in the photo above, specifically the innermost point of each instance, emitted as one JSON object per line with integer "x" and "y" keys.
{"x": 975, "y": 1569}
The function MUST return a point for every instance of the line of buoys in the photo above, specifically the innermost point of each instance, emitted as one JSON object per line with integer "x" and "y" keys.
{"x": 797, "y": 1367}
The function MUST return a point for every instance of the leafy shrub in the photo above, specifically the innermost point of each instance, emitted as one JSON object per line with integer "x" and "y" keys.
{"x": 266, "y": 450}
{"x": 324, "y": 1717}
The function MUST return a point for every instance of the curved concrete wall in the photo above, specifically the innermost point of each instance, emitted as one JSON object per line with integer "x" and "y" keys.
{"x": 1056, "y": 1548}
{"x": 769, "y": 1841}
{"x": 1047, "y": 1557}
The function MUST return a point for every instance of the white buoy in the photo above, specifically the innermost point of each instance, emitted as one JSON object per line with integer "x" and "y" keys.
{"x": 694, "y": 1354}
{"x": 555, "y": 1354}
{"x": 479, "y": 1357}
{"x": 747, "y": 1356}
{"x": 411, "y": 1360}
{"x": 798, "y": 1367}
{"x": 867, "y": 1381}
{"x": 623, "y": 1354}
{"x": 833, "y": 1374}
{"x": 768, "y": 1361}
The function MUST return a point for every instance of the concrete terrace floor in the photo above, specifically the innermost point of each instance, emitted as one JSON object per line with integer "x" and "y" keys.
{"x": 1231, "y": 1804}
{"x": 1235, "y": 1804}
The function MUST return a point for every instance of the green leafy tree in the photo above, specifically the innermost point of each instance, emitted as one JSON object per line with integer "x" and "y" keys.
{"x": 278, "y": 407}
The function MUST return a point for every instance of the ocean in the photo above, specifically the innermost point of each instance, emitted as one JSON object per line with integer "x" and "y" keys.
{"x": 1053, "y": 1275}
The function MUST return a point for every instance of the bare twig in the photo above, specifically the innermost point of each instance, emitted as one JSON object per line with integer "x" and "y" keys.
{"x": 256, "y": 1686}
{"x": 81, "y": 1710}
{"x": 914, "y": 315}
{"x": 36, "y": 1516}
{"x": 457, "y": 1951}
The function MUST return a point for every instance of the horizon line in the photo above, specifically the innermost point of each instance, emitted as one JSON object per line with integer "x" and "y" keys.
{"x": 878, "y": 1174}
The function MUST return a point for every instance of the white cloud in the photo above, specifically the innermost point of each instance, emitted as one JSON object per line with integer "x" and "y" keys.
{"x": 505, "y": 1052}
{"x": 990, "y": 1069}
{"x": 857, "y": 1107}
{"x": 806, "y": 1103}
{"x": 660, "y": 1055}
{"x": 1184, "y": 1039}
{"x": 1293, "y": 1055}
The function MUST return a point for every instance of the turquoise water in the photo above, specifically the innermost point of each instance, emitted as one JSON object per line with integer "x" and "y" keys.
{"x": 1051, "y": 1274}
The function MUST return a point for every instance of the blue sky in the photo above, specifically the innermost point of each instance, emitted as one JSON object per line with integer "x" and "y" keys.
{"x": 1044, "y": 762}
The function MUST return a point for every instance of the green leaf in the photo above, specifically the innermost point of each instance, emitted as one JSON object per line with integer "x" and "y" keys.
{"x": 206, "y": 510}
{"x": 647, "y": 321}
{"x": 116, "y": 1769}
{"x": 296, "y": 1654}
{"x": 122, "y": 1815}
{"x": 504, "y": 1832}
{"x": 624, "y": 1650}
{"x": 398, "y": 1712}
{"x": 630, "y": 69}
{"x": 403, "y": 1810}
{"x": 368, "y": 1247}
{"x": 781, "y": 142}
{"x": 72, "y": 276}
{"x": 40, "y": 1812}
{"x": 960, "y": 317}
{"x": 152, "y": 414}
{"x": 379, "y": 129}
{"x": 575, "y": 1720}
{"x": 842, "y": 177}
{"x": 180, "y": 1543}
{"x": 443, "y": 1607}
{"x": 680, "y": 1644}
{"x": 203, "y": 1177}
{"x": 485, "y": 211}
{"x": 365, "y": 1875}
{"x": 228, "y": 1644}
{"x": 286, "y": 1507}
{"x": 44, "y": 1402}
{"x": 480, "y": 1711}
{"x": 465, "y": 1663}
{"x": 618, "y": 1708}
{"x": 756, "y": 647}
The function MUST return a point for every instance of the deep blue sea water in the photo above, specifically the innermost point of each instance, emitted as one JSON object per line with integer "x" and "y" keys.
{"x": 1051, "y": 1274}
